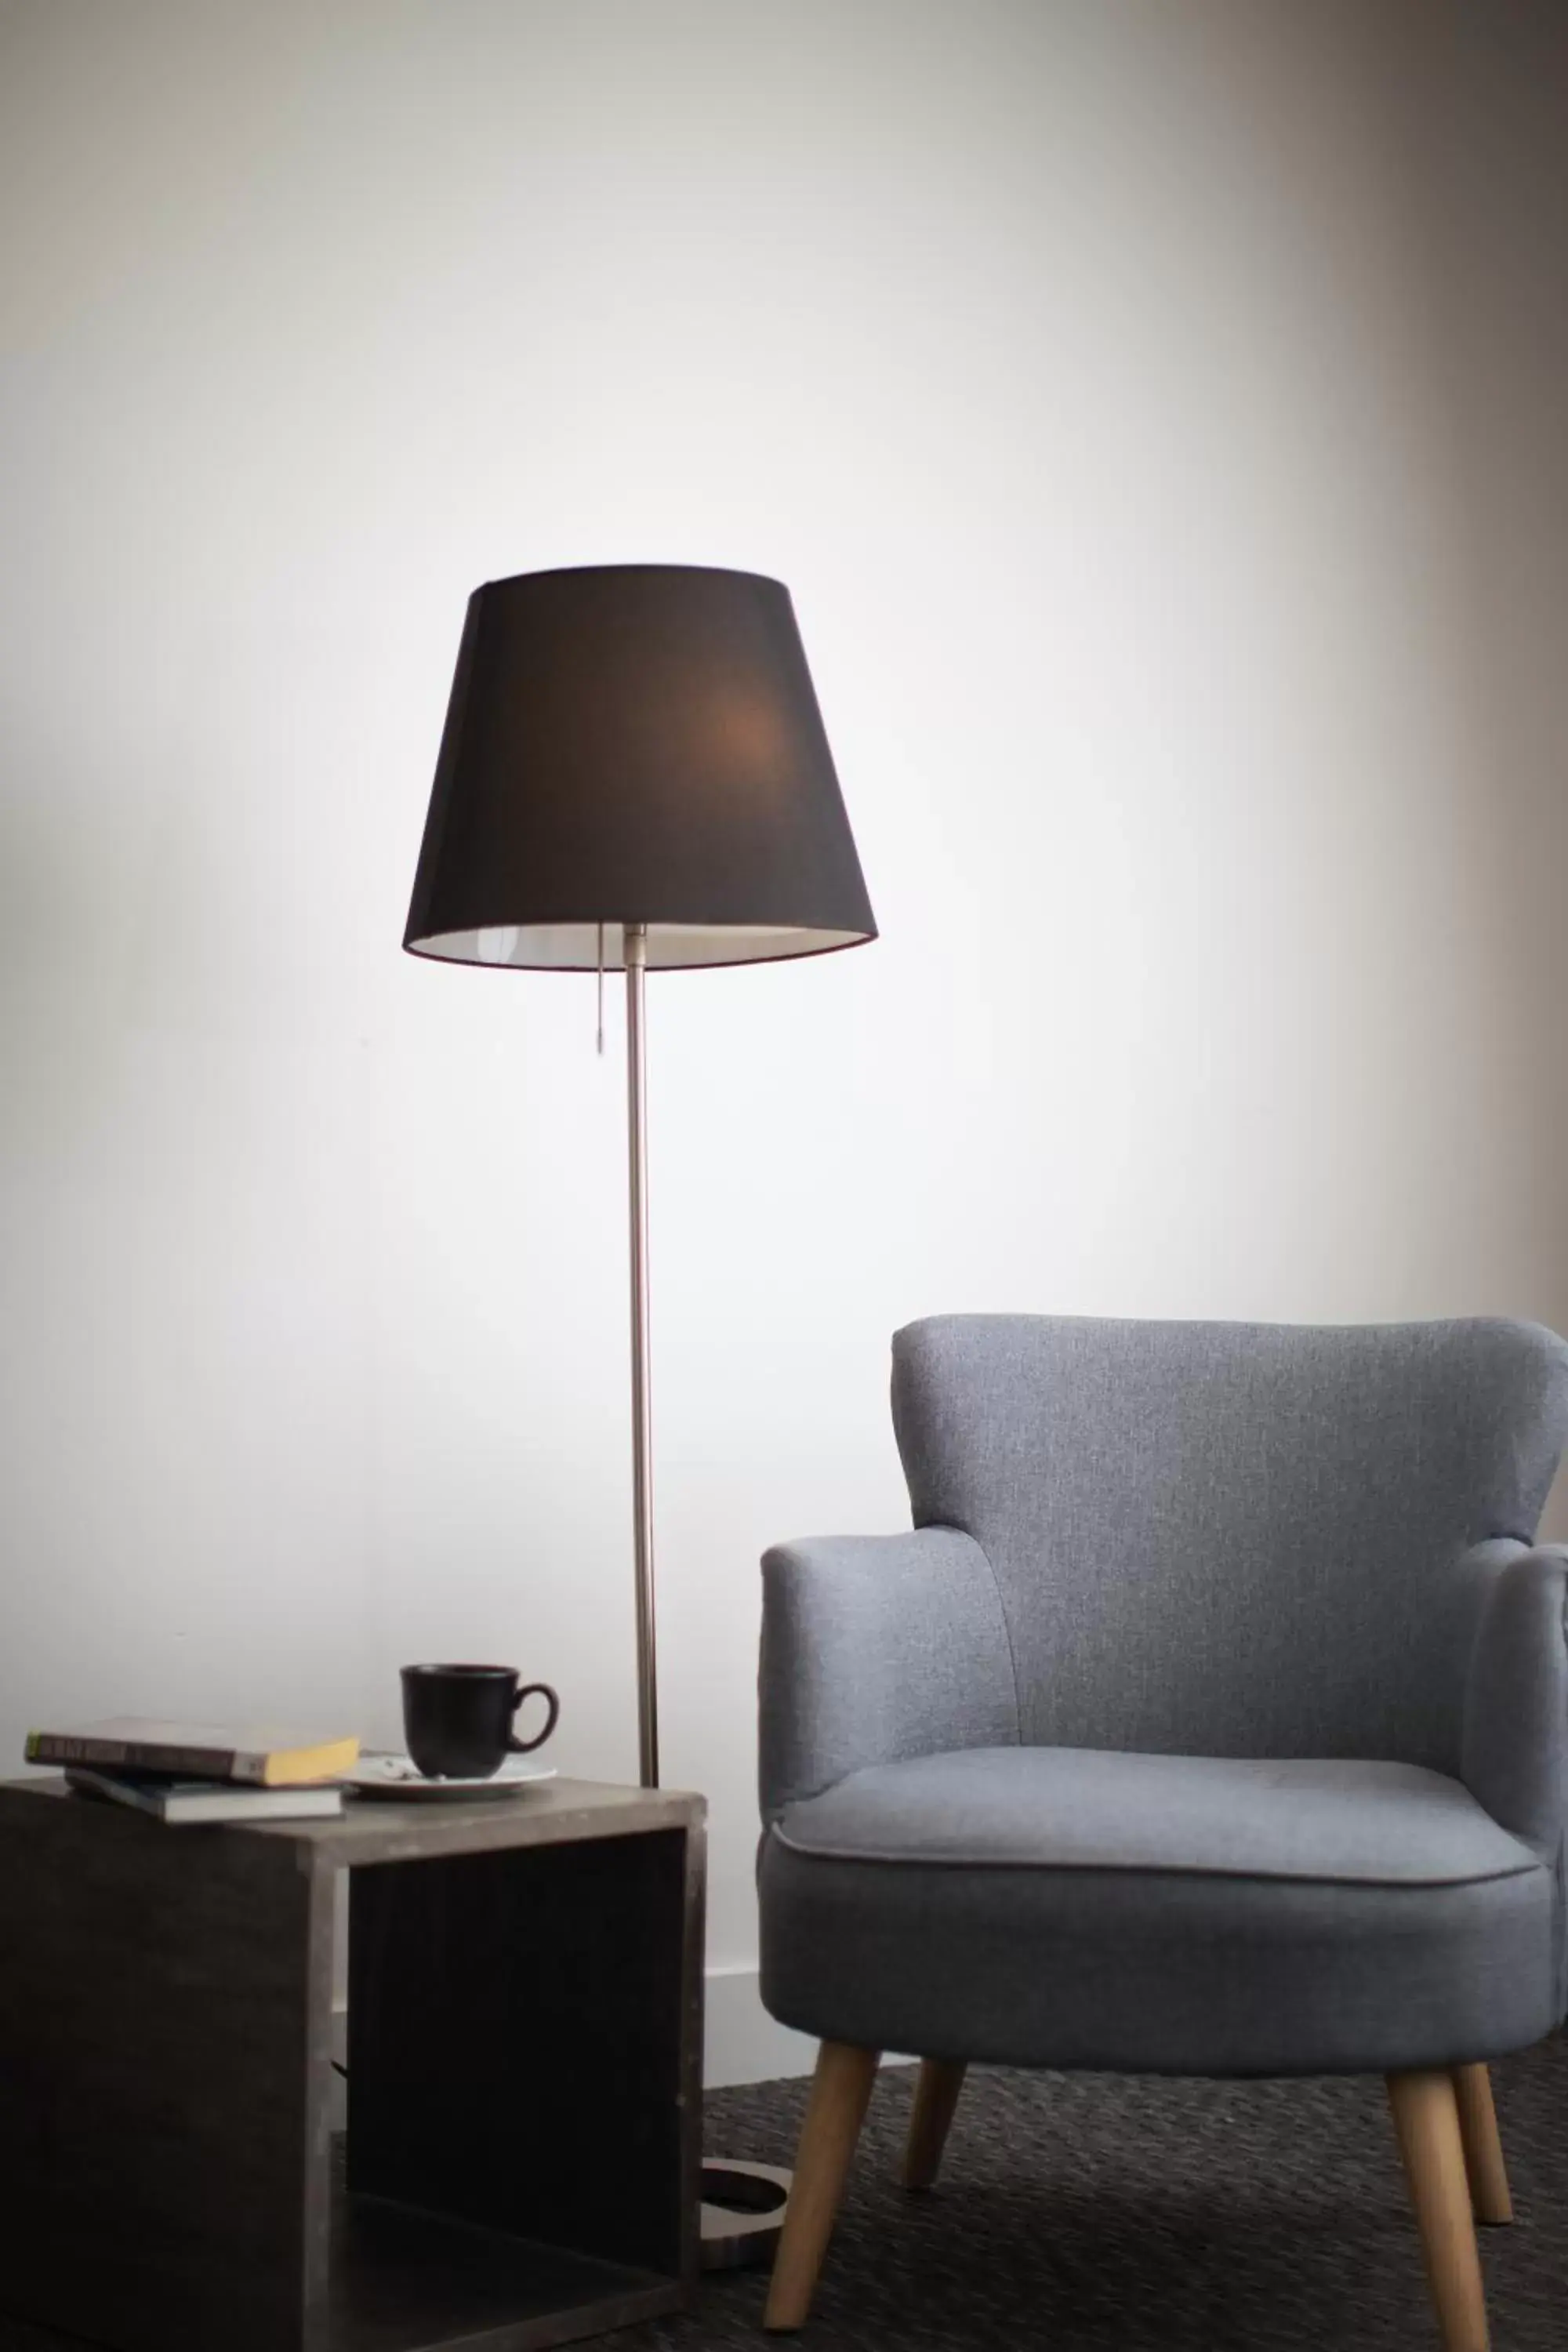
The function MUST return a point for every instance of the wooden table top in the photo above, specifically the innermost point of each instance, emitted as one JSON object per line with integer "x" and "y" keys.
{"x": 386, "y": 1829}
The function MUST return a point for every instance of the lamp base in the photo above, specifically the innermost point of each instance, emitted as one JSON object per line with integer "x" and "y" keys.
{"x": 742, "y": 2211}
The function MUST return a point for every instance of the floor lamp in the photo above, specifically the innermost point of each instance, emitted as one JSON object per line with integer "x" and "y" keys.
{"x": 634, "y": 776}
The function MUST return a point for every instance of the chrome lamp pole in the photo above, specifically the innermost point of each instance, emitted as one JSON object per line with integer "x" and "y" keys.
{"x": 642, "y": 1395}
{"x": 743, "y": 2202}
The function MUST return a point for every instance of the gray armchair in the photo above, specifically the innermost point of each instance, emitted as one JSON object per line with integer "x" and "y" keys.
{"x": 1212, "y": 1721}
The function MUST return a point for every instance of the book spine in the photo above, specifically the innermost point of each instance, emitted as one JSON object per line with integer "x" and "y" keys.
{"x": 141, "y": 1756}
{"x": 90, "y": 1783}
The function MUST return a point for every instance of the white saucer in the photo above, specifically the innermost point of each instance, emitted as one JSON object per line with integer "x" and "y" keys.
{"x": 379, "y": 1775}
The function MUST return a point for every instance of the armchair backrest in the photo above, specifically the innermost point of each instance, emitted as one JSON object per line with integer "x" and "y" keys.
{"x": 1233, "y": 1538}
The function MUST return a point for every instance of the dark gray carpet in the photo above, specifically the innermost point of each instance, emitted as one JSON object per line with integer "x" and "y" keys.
{"x": 1077, "y": 2212}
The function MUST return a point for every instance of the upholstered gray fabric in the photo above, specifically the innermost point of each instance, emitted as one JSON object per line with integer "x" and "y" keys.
{"x": 1291, "y": 1915}
{"x": 1234, "y": 1539}
{"x": 876, "y": 1647}
{"x": 1515, "y": 1753}
{"x": 1284, "y": 1577}
{"x": 1092, "y": 1809}
{"x": 1143, "y": 1971}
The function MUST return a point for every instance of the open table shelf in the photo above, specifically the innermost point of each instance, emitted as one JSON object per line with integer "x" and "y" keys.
{"x": 405, "y": 2281}
{"x": 522, "y": 2163}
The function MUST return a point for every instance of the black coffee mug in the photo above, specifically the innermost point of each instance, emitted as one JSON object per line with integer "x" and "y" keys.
{"x": 458, "y": 1720}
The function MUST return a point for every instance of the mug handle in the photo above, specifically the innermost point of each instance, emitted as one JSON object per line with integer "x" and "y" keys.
{"x": 526, "y": 1746}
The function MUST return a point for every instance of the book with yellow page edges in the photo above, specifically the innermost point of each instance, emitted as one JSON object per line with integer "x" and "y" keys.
{"x": 255, "y": 1756}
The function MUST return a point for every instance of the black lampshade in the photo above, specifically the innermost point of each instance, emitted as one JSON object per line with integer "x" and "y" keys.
{"x": 634, "y": 742}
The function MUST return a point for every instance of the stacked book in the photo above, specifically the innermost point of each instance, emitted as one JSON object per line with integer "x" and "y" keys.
{"x": 183, "y": 1772}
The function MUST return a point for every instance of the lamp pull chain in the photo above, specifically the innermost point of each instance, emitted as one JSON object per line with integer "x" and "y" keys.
{"x": 601, "y": 1034}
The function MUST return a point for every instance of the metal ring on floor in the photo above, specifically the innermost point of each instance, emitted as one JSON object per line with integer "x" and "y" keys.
{"x": 745, "y": 2230}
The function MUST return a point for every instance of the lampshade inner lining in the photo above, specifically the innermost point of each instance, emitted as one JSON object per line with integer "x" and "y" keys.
{"x": 574, "y": 947}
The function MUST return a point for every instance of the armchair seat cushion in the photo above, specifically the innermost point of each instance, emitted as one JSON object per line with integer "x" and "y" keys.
{"x": 1095, "y": 1809}
{"x": 1061, "y": 1906}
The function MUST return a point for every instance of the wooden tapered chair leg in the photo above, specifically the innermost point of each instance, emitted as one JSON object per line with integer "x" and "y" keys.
{"x": 835, "y": 2112}
{"x": 1426, "y": 2118}
{"x": 1489, "y": 2192}
{"x": 936, "y": 2096}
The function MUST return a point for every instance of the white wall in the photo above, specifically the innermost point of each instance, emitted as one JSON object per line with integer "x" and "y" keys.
{"x": 1156, "y": 409}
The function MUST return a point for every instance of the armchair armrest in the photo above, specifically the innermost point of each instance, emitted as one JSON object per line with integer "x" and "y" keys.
{"x": 1515, "y": 1754}
{"x": 876, "y": 1648}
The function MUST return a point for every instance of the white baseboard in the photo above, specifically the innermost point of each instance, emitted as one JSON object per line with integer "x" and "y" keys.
{"x": 743, "y": 2044}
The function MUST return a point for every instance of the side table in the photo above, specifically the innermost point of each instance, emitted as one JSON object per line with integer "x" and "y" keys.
{"x": 521, "y": 2166}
